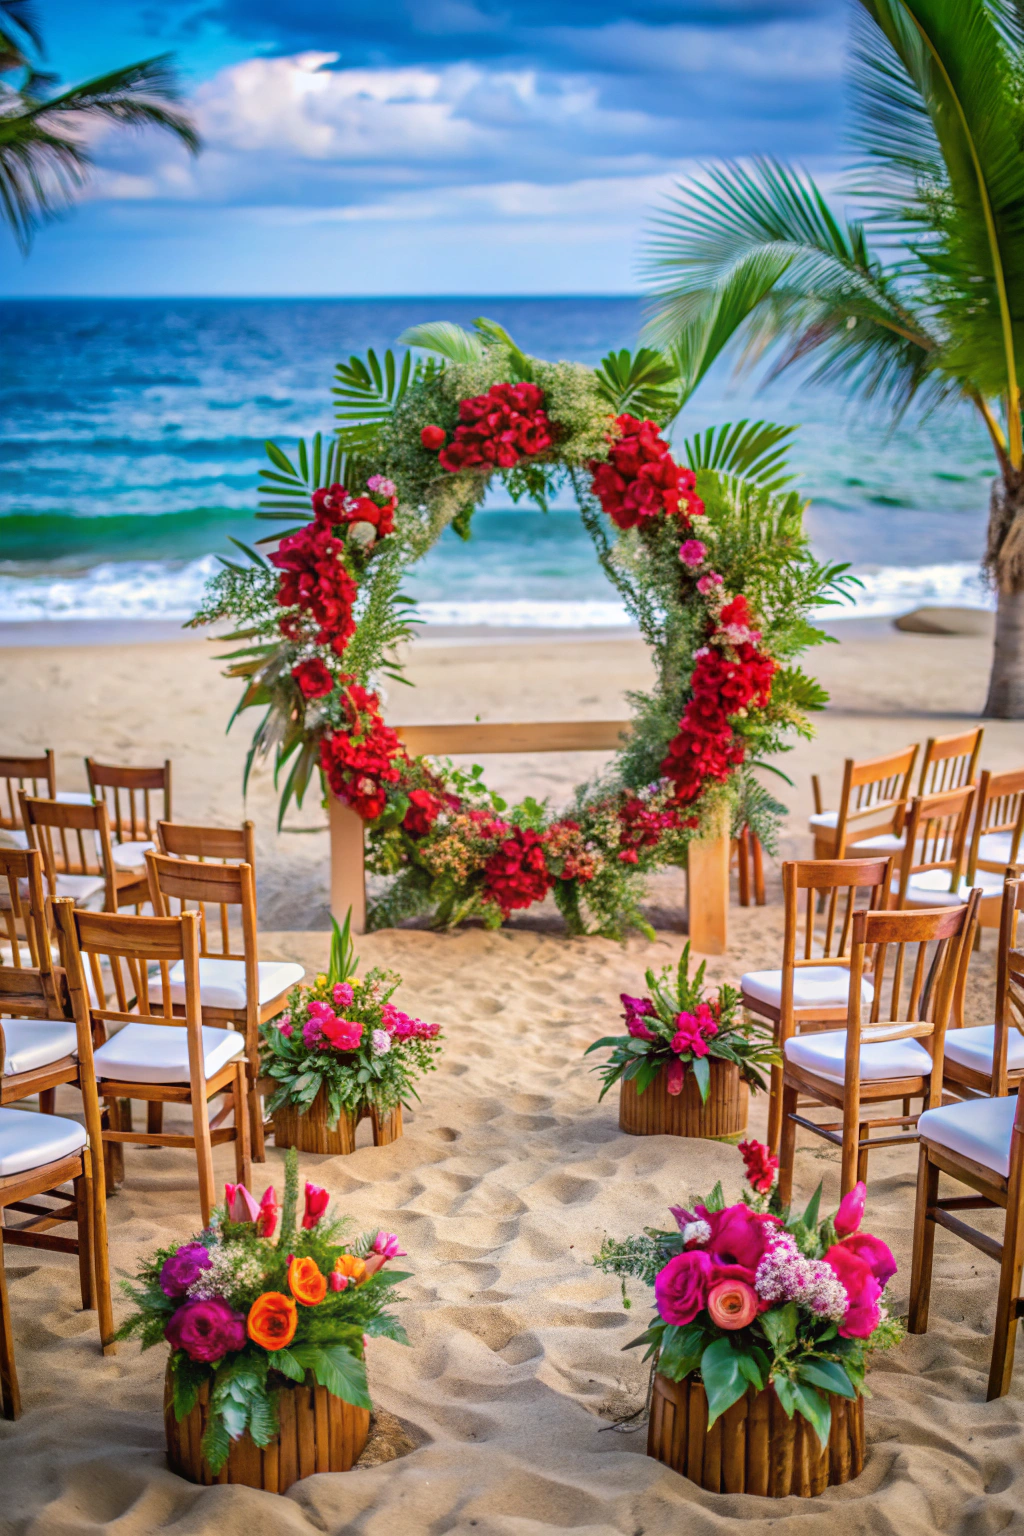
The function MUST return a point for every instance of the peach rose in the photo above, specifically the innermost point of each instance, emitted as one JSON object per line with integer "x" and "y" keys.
{"x": 732, "y": 1304}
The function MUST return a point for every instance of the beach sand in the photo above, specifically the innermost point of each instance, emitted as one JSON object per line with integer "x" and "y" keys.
{"x": 510, "y": 1173}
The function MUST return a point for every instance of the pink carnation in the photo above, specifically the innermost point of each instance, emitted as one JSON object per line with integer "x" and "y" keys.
{"x": 708, "y": 583}
{"x": 693, "y": 553}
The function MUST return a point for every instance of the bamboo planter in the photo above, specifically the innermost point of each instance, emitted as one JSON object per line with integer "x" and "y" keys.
{"x": 656, "y": 1112}
{"x": 753, "y": 1447}
{"x": 312, "y": 1133}
{"x": 318, "y": 1433}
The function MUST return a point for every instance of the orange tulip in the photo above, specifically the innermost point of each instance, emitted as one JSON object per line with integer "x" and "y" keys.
{"x": 272, "y": 1320}
{"x": 306, "y": 1283}
{"x": 347, "y": 1264}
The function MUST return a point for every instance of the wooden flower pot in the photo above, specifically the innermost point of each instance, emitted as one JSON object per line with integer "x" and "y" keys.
{"x": 753, "y": 1447}
{"x": 318, "y": 1433}
{"x": 656, "y": 1112}
{"x": 312, "y": 1133}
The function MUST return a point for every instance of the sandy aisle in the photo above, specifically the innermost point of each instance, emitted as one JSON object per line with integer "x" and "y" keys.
{"x": 509, "y": 1173}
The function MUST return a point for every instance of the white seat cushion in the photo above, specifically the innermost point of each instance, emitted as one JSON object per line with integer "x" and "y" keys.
{"x": 74, "y": 797}
{"x": 31, "y": 1043}
{"x": 824, "y": 819}
{"x": 974, "y": 1047}
{"x": 158, "y": 1053}
{"x": 826, "y": 986}
{"x": 131, "y": 856}
{"x": 825, "y": 1055}
{"x": 995, "y": 847}
{"x": 13, "y": 837}
{"x": 980, "y": 1129}
{"x": 29, "y": 1140}
{"x": 222, "y": 982}
{"x": 885, "y": 842}
{"x": 931, "y": 887}
{"x": 84, "y": 890}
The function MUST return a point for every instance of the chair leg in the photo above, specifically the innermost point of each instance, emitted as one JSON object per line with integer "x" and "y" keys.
{"x": 775, "y": 1110}
{"x": 256, "y": 1136}
{"x": 787, "y": 1144}
{"x": 1004, "y": 1336}
{"x": 100, "y": 1255}
{"x": 48, "y": 1101}
{"x": 863, "y": 1132}
{"x": 10, "y": 1396}
{"x": 743, "y": 865}
{"x": 243, "y": 1103}
{"x": 924, "y": 1243}
{"x": 83, "y": 1207}
{"x": 851, "y": 1136}
{"x": 154, "y": 1117}
{"x": 204, "y": 1158}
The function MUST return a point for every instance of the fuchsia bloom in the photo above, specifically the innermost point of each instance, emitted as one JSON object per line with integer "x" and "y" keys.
{"x": 206, "y": 1330}
{"x": 386, "y": 1244}
{"x": 708, "y": 583}
{"x": 761, "y": 1165}
{"x": 863, "y": 1314}
{"x": 342, "y": 994}
{"x": 317, "y": 1201}
{"x": 693, "y": 552}
{"x": 179, "y": 1271}
{"x": 636, "y": 1009}
{"x": 851, "y": 1210}
{"x": 337, "y": 1282}
{"x": 693, "y": 1031}
{"x": 241, "y": 1205}
{"x": 266, "y": 1221}
{"x": 674, "y": 1077}
{"x": 681, "y": 1288}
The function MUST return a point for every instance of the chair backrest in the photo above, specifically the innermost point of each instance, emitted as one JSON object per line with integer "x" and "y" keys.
{"x": 874, "y": 796}
{"x": 950, "y": 762}
{"x": 918, "y": 963}
{"x": 30, "y": 992}
{"x": 226, "y": 845}
{"x": 999, "y": 810}
{"x": 131, "y": 945}
{"x": 33, "y": 775}
{"x": 73, "y": 840}
{"x": 216, "y": 886}
{"x": 1009, "y": 979}
{"x": 936, "y": 837}
{"x": 126, "y": 794}
{"x": 830, "y": 888}
{"x": 21, "y": 906}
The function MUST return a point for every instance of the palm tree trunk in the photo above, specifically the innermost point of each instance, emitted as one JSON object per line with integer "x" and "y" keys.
{"x": 1005, "y": 562}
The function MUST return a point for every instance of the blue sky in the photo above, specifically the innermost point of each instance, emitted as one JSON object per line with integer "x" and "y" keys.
{"x": 425, "y": 146}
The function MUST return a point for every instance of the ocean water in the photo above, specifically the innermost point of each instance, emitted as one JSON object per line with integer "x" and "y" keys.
{"x": 131, "y": 436}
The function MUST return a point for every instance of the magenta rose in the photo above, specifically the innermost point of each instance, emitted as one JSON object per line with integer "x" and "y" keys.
{"x": 851, "y": 1210}
{"x": 178, "y": 1272}
{"x": 862, "y": 1314}
{"x": 681, "y": 1288}
{"x": 876, "y": 1255}
{"x": 739, "y": 1238}
{"x": 206, "y": 1330}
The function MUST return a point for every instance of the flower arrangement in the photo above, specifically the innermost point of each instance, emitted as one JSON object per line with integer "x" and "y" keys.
{"x": 248, "y": 1314}
{"x": 679, "y": 1027}
{"x": 715, "y": 570}
{"x": 344, "y": 1037}
{"x": 748, "y": 1295}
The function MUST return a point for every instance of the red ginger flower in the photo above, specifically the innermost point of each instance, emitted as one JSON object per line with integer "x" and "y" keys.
{"x": 761, "y": 1165}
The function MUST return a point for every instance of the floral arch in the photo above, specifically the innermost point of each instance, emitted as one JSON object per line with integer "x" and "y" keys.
{"x": 711, "y": 561}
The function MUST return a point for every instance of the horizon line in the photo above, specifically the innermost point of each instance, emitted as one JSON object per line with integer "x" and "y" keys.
{"x": 316, "y": 298}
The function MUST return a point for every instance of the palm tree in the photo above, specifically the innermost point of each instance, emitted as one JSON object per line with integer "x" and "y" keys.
{"x": 42, "y": 162}
{"x": 933, "y": 310}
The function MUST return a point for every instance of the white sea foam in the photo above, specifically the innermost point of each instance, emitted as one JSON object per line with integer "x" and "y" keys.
{"x": 142, "y": 590}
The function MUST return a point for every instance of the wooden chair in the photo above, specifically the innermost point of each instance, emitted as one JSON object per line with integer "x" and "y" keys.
{"x": 812, "y": 988}
{"x": 869, "y": 820}
{"x": 997, "y": 834}
{"x": 21, "y": 907}
{"x": 235, "y": 989}
{"x": 126, "y": 793}
{"x": 24, "y": 775}
{"x": 950, "y": 762}
{"x": 898, "y": 1055}
{"x": 78, "y": 856}
{"x": 224, "y": 845}
{"x": 40, "y": 1049}
{"x": 980, "y": 1143}
{"x": 931, "y": 866}
{"x": 987, "y": 1060}
{"x": 165, "y": 1057}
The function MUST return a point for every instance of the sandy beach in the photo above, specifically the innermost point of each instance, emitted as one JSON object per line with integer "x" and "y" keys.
{"x": 510, "y": 1173}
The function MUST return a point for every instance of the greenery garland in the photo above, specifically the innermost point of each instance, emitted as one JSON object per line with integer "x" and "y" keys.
{"x": 712, "y": 563}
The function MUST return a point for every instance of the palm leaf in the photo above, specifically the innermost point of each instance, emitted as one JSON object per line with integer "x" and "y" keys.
{"x": 446, "y": 339}
{"x": 367, "y": 394}
{"x": 643, "y": 383}
{"x": 750, "y": 450}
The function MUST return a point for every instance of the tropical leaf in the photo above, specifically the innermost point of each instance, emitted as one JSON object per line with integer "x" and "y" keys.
{"x": 366, "y": 394}
{"x": 750, "y": 450}
{"x": 644, "y": 383}
{"x": 446, "y": 339}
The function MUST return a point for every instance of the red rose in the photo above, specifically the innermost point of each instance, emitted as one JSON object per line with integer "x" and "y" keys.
{"x": 433, "y": 438}
{"x": 313, "y": 678}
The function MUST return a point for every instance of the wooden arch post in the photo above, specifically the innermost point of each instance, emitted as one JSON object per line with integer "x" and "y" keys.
{"x": 708, "y": 868}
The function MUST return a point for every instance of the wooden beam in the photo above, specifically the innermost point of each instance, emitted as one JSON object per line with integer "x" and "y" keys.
{"x": 708, "y": 884}
{"x": 348, "y": 866}
{"x": 535, "y": 736}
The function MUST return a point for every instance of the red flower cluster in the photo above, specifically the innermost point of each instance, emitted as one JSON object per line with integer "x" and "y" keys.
{"x": 333, "y": 505}
{"x": 314, "y": 578}
{"x": 642, "y": 827}
{"x": 424, "y": 809}
{"x": 760, "y": 1163}
{"x": 516, "y": 875}
{"x": 314, "y": 678}
{"x": 360, "y": 758}
{"x": 706, "y": 746}
{"x": 641, "y": 480}
{"x": 496, "y": 430}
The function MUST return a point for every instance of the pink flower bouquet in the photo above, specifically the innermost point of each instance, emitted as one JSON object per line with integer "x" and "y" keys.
{"x": 751, "y": 1295}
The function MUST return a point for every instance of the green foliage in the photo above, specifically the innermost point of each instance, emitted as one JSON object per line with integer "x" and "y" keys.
{"x": 643, "y": 384}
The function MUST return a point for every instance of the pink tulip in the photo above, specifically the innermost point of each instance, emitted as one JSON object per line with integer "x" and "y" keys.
{"x": 266, "y": 1221}
{"x": 241, "y": 1205}
{"x": 337, "y": 1282}
{"x": 317, "y": 1201}
{"x": 386, "y": 1244}
{"x": 851, "y": 1210}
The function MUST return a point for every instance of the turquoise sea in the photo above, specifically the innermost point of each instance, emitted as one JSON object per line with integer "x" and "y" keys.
{"x": 131, "y": 436}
